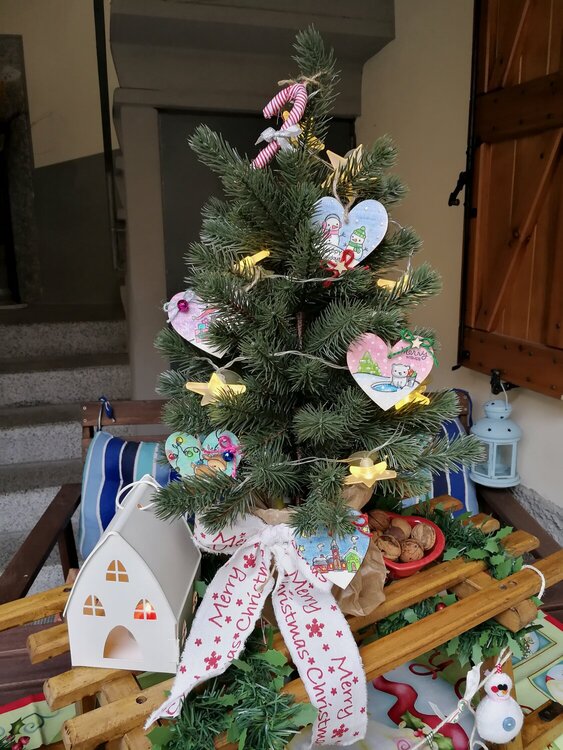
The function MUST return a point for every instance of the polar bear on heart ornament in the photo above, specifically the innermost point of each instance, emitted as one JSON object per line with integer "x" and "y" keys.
{"x": 386, "y": 375}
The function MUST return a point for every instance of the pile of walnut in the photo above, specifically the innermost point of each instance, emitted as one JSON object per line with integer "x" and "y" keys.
{"x": 398, "y": 540}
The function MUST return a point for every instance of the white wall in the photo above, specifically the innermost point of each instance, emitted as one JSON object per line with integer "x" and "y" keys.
{"x": 61, "y": 73}
{"x": 417, "y": 90}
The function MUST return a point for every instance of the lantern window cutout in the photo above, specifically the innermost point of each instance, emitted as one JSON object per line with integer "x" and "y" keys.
{"x": 116, "y": 572}
{"x": 93, "y": 607}
{"x": 499, "y": 436}
{"x": 144, "y": 611}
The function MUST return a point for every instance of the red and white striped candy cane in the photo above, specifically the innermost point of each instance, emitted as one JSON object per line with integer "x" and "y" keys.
{"x": 296, "y": 93}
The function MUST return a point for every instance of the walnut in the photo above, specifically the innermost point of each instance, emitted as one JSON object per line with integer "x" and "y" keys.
{"x": 378, "y": 520}
{"x": 390, "y": 547}
{"x": 400, "y": 523}
{"x": 411, "y": 551}
{"x": 424, "y": 535}
{"x": 396, "y": 532}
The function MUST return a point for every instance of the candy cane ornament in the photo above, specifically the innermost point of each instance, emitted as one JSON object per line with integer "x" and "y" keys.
{"x": 296, "y": 93}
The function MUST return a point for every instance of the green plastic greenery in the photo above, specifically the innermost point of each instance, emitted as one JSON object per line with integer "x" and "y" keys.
{"x": 466, "y": 540}
{"x": 245, "y": 702}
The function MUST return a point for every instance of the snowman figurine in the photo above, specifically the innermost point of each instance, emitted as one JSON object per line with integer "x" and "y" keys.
{"x": 498, "y": 716}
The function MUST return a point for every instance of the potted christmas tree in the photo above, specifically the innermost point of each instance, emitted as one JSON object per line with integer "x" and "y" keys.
{"x": 293, "y": 401}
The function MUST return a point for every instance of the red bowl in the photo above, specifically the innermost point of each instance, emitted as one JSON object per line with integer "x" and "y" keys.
{"x": 405, "y": 569}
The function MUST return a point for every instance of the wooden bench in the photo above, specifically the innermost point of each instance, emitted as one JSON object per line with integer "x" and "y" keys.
{"x": 120, "y": 707}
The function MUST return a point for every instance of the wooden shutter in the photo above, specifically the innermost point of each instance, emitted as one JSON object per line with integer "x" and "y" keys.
{"x": 513, "y": 281}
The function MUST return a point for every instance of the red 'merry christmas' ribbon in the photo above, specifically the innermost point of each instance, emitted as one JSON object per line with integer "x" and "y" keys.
{"x": 314, "y": 629}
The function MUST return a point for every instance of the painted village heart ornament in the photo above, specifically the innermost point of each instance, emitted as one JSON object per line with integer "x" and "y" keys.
{"x": 219, "y": 451}
{"x": 388, "y": 379}
{"x": 190, "y": 317}
{"x": 351, "y": 238}
{"x": 338, "y": 559}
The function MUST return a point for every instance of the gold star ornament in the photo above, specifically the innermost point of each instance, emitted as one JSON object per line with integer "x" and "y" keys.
{"x": 216, "y": 387}
{"x": 368, "y": 472}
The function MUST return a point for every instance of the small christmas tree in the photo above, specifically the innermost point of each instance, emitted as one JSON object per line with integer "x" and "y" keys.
{"x": 287, "y": 308}
{"x": 286, "y": 331}
{"x": 368, "y": 366}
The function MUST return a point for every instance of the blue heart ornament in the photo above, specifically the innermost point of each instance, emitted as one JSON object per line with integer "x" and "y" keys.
{"x": 353, "y": 236}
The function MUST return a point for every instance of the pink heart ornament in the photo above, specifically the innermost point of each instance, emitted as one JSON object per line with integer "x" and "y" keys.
{"x": 190, "y": 317}
{"x": 387, "y": 380}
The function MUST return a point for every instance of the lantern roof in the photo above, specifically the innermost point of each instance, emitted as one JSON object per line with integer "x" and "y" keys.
{"x": 496, "y": 424}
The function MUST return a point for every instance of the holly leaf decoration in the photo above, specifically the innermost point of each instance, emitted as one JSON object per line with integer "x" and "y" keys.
{"x": 412, "y": 722}
{"x": 451, "y": 553}
{"x": 273, "y": 657}
{"x": 305, "y": 715}
{"x": 477, "y": 554}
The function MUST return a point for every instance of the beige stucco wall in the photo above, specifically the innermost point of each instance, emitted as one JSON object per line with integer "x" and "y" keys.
{"x": 417, "y": 89}
{"x": 61, "y": 73}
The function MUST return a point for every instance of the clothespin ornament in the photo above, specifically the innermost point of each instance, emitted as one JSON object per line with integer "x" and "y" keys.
{"x": 249, "y": 263}
{"x": 414, "y": 397}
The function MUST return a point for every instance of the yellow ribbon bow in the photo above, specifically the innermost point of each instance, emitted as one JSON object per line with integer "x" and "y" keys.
{"x": 369, "y": 473}
{"x": 215, "y": 388}
{"x": 414, "y": 397}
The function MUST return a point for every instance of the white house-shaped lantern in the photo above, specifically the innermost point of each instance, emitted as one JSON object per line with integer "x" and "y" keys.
{"x": 132, "y": 602}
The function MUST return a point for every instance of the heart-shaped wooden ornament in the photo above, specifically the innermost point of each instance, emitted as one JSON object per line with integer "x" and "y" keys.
{"x": 219, "y": 451}
{"x": 190, "y": 317}
{"x": 388, "y": 379}
{"x": 338, "y": 559}
{"x": 350, "y": 238}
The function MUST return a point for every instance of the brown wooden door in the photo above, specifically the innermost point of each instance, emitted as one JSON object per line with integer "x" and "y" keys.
{"x": 513, "y": 291}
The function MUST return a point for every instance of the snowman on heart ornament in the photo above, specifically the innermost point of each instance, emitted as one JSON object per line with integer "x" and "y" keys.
{"x": 350, "y": 236}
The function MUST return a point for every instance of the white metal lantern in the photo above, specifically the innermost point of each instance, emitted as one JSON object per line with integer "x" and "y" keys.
{"x": 500, "y": 436}
{"x": 132, "y": 603}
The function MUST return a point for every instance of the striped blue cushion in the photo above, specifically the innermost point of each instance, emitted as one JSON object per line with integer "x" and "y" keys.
{"x": 113, "y": 463}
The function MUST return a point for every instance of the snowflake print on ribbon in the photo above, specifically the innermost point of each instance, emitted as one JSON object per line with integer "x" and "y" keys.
{"x": 339, "y": 731}
{"x": 217, "y": 639}
{"x": 212, "y": 661}
{"x": 315, "y": 628}
{"x": 239, "y": 602}
{"x": 183, "y": 669}
{"x": 339, "y": 634}
{"x": 333, "y": 691}
{"x": 198, "y": 641}
{"x": 228, "y": 619}
{"x": 326, "y": 647}
{"x": 250, "y": 561}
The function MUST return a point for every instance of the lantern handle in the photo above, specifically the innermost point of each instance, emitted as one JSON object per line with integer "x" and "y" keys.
{"x": 497, "y": 385}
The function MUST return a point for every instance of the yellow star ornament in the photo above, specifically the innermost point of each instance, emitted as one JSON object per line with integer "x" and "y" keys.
{"x": 216, "y": 387}
{"x": 369, "y": 473}
{"x": 414, "y": 397}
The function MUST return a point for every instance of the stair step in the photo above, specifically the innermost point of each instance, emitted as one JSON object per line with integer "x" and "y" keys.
{"x": 20, "y": 510}
{"x": 27, "y": 416}
{"x": 60, "y": 380}
{"x": 50, "y": 339}
{"x": 37, "y": 475}
{"x": 40, "y": 442}
{"x": 12, "y": 541}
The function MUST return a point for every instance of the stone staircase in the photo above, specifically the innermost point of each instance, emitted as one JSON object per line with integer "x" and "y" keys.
{"x": 46, "y": 371}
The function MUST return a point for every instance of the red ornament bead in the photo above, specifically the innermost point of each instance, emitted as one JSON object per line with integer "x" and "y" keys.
{"x": 183, "y": 305}
{"x": 439, "y": 607}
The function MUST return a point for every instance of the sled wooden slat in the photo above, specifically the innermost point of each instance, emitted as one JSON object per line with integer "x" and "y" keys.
{"x": 71, "y": 686}
{"x": 111, "y": 721}
{"x": 515, "y": 618}
{"x": 537, "y": 733}
{"x": 408, "y": 591}
{"x": 395, "y": 649}
{"x": 483, "y": 521}
{"x": 34, "y": 607}
{"x": 47, "y": 643}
